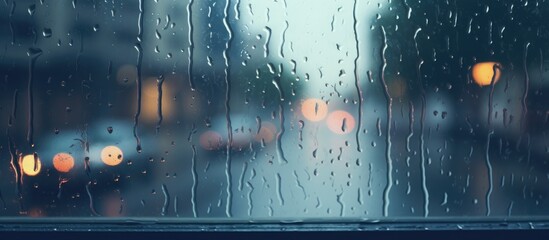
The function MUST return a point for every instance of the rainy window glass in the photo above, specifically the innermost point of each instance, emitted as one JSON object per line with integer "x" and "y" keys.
{"x": 278, "y": 109}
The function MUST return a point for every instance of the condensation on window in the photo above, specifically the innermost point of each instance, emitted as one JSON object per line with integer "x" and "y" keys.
{"x": 276, "y": 109}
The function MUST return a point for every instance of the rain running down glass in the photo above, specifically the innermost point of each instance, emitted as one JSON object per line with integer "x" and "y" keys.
{"x": 242, "y": 110}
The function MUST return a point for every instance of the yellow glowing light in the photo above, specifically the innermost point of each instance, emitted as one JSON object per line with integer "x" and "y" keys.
{"x": 341, "y": 122}
{"x": 149, "y": 101}
{"x": 314, "y": 109}
{"x": 63, "y": 162}
{"x": 211, "y": 140}
{"x": 484, "y": 72}
{"x": 112, "y": 155}
{"x": 30, "y": 166}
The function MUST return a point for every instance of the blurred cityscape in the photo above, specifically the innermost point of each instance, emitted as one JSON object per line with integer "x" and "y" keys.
{"x": 278, "y": 109}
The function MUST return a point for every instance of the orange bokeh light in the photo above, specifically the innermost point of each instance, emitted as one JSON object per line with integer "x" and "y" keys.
{"x": 267, "y": 132}
{"x": 112, "y": 155}
{"x": 341, "y": 122}
{"x": 30, "y": 166}
{"x": 484, "y": 72}
{"x": 63, "y": 162}
{"x": 149, "y": 101}
{"x": 314, "y": 109}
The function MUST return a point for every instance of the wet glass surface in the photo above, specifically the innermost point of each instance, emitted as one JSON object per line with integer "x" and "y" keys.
{"x": 238, "y": 109}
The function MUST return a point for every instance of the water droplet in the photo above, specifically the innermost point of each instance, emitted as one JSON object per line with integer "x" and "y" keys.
{"x": 34, "y": 52}
{"x": 31, "y": 9}
{"x": 158, "y": 35}
{"x": 46, "y": 32}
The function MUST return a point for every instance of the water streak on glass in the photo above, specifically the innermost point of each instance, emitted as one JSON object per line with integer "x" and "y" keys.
{"x": 160, "y": 81}
{"x": 138, "y": 80}
{"x": 190, "y": 49}
{"x": 526, "y": 85}
{"x": 166, "y": 203}
{"x": 286, "y": 26}
{"x": 195, "y": 182}
{"x": 33, "y": 54}
{"x": 90, "y": 199}
{"x": 490, "y": 175}
{"x": 357, "y": 82}
{"x": 13, "y": 116}
{"x": 386, "y": 198}
{"x": 228, "y": 108}
{"x": 273, "y": 110}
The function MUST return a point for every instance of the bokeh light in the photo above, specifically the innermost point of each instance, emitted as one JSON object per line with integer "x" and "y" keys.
{"x": 63, "y": 162}
{"x": 30, "y": 166}
{"x": 112, "y": 155}
{"x": 341, "y": 122}
{"x": 314, "y": 109}
{"x": 484, "y": 71}
{"x": 149, "y": 101}
{"x": 267, "y": 132}
{"x": 211, "y": 140}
